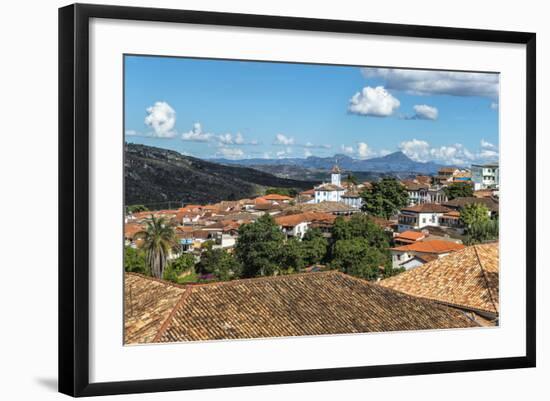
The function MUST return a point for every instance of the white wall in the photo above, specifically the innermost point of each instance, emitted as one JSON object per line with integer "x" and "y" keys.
{"x": 28, "y": 160}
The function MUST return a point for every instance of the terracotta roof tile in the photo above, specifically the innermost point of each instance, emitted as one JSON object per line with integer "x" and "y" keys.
{"x": 434, "y": 246}
{"x": 410, "y": 235}
{"x": 468, "y": 278}
{"x": 291, "y": 305}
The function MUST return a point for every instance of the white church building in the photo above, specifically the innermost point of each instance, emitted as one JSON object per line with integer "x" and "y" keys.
{"x": 333, "y": 191}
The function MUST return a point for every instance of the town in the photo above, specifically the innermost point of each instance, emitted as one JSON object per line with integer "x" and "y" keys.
{"x": 342, "y": 257}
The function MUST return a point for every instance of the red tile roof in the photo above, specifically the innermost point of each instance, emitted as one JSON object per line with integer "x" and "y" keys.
{"x": 314, "y": 303}
{"x": 410, "y": 236}
{"x": 468, "y": 279}
{"x": 434, "y": 246}
{"x": 295, "y": 219}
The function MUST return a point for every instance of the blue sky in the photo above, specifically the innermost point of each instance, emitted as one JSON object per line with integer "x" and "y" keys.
{"x": 241, "y": 109}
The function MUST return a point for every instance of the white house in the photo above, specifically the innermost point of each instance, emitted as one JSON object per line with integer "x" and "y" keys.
{"x": 416, "y": 254}
{"x": 330, "y": 192}
{"x": 485, "y": 176}
{"x": 352, "y": 199}
{"x": 418, "y": 216}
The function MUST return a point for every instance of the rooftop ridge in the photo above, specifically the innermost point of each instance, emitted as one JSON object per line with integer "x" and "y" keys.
{"x": 482, "y": 267}
{"x": 168, "y": 320}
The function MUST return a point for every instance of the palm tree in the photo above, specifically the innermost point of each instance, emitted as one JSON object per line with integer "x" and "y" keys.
{"x": 159, "y": 239}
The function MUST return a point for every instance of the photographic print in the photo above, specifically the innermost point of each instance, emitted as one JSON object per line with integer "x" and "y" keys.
{"x": 278, "y": 199}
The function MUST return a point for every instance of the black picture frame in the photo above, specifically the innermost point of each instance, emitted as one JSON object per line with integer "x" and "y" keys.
{"x": 74, "y": 198}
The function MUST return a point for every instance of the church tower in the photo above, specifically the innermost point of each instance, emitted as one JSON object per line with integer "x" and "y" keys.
{"x": 335, "y": 177}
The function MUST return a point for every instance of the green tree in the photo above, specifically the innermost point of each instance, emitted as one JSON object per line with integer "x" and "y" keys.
{"x": 352, "y": 179}
{"x": 357, "y": 258}
{"x": 282, "y": 191}
{"x": 474, "y": 213}
{"x": 176, "y": 267}
{"x": 292, "y": 256}
{"x": 134, "y": 261}
{"x": 136, "y": 208}
{"x": 259, "y": 247}
{"x": 314, "y": 246}
{"x": 481, "y": 232}
{"x": 458, "y": 190}
{"x": 220, "y": 263}
{"x": 360, "y": 226}
{"x": 159, "y": 240}
{"x": 385, "y": 198}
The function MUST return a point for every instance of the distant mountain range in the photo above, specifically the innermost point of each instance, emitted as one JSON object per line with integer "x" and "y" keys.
{"x": 396, "y": 162}
{"x": 153, "y": 175}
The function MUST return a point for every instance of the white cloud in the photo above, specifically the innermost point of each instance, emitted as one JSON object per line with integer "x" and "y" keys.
{"x": 312, "y": 145}
{"x": 422, "y": 82}
{"x": 487, "y": 145}
{"x": 231, "y": 153}
{"x": 307, "y": 153}
{"x": 281, "y": 139}
{"x": 161, "y": 118}
{"x": 229, "y": 139}
{"x": 376, "y": 102}
{"x": 347, "y": 149}
{"x": 196, "y": 134}
{"x": 424, "y": 112}
{"x": 456, "y": 154}
{"x": 131, "y": 132}
{"x": 363, "y": 150}
{"x": 488, "y": 155}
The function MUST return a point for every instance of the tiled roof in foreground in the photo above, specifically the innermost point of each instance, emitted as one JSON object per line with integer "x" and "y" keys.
{"x": 291, "y": 305}
{"x": 147, "y": 304}
{"x": 467, "y": 279}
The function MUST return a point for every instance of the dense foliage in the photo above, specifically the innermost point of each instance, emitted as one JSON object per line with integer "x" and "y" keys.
{"x": 259, "y": 247}
{"x": 385, "y": 198}
{"x": 134, "y": 261}
{"x": 474, "y": 213}
{"x": 458, "y": 190}
{"x": 183, "y": 263}
{"x": 482, "y": 232}
{"x": 282, "y": 191}
{"x": 219, "y": 263}
{"x": 360, "y": 248}
{"x": 136, "y": 209}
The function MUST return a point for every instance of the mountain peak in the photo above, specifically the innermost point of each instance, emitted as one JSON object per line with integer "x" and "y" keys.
{"x": 398, "y": 156}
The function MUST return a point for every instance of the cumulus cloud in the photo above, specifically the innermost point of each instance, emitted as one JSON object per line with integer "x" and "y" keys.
{"x": 161, "y": 117}
{"x": 364, "y": 151}
{"x": 456, "y": 154}
{"x": 422, "y": 82}
{"x": 423, "y": 112}
{"x": 281, "y": 139}
{"x": 376, "y": 102}
{"x": 237, "y": 139}
{"x": 284, "y": 153}
{"x": 487, "y": 145}
{"x": 231, "y": 153}
{"x": 196, "y": 134}
{"x": 347, "y": 149}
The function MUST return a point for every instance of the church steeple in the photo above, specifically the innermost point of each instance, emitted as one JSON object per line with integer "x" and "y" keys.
{"x": 335, "y": 177}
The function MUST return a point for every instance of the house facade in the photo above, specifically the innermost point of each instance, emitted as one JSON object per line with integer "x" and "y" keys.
{"x": 485, "y": 176}
{"x": 419, "y": 216}
{"x": 418, "y": 253}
